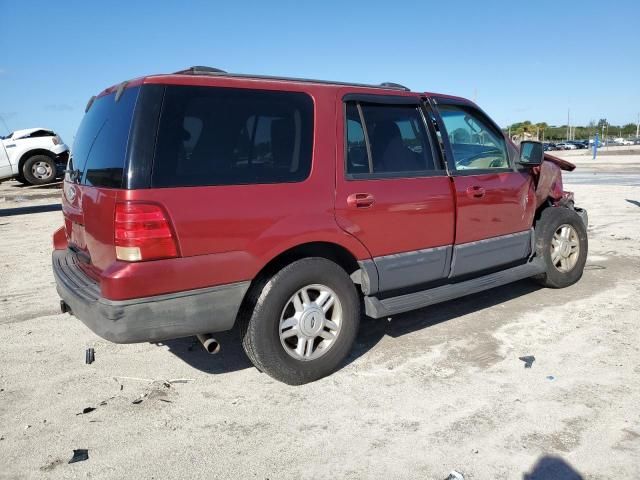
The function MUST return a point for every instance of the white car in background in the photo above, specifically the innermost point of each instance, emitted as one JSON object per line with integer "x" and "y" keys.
{"x": 35, "y": 156}
{"x": 566, "y": 146}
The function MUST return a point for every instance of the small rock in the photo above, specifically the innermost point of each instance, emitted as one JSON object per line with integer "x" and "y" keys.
{"x": 475, "y": 450}
{"x": 551, "y": 377}
{"x": 27, "y": 427}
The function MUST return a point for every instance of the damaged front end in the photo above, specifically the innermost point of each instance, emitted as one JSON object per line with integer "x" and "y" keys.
{"x": 549, "y": 187}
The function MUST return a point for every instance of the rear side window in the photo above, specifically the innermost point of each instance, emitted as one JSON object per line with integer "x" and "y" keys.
{"x": 225, "y": 136}
{"x": 386, "y": 139}
{"x": 100, "y": 146}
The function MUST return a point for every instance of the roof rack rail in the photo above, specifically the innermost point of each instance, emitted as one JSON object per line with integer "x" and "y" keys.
{"x": 201, "y": 70}
{"x": 394, "y": 85}
{"x": 196, "y": 69}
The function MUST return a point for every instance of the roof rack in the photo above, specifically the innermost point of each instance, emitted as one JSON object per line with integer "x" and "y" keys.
{"x": 394, "y": 85}
{"x": 202, "y": 70}
{"x": 199, "y": 70}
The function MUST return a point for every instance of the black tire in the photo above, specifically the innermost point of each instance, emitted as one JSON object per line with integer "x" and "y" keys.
{"x": 260, "y": 320}
{"x": 551, "y": 219}
{"x": 34, "y": 179}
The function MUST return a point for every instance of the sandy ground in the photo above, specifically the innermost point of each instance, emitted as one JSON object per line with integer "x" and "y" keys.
{"x": 422, "y": 394}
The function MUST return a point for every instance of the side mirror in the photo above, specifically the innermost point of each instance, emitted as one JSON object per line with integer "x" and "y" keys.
{"x": 531, "y": 154}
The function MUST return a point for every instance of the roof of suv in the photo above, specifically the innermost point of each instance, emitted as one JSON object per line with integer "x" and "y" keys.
{"x": 195, "y": 75}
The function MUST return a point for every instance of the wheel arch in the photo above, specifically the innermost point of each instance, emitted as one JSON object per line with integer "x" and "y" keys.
{"x": 31, "y": 153}
{"x": 335, "y": 252}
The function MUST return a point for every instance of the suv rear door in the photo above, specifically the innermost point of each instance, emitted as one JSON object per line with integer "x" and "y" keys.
{"x": 495, "y": 202}
{"x": 392, "y": 192}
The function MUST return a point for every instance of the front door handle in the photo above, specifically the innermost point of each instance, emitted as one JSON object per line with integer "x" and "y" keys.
{"x": 360, "y": 200}
{"x": 475, "y": 192}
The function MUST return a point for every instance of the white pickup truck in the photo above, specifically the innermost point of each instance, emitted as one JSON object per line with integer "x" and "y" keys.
{"x": 35, "y": 156}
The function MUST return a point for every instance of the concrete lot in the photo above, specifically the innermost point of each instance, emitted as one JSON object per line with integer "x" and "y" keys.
{"x": 424, "y": 393}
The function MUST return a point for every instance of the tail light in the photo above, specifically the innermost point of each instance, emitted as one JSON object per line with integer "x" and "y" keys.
{"x": 143, "y": 232}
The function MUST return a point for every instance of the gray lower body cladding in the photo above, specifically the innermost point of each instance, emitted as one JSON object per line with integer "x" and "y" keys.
{"x": 377, "y": 308}
{"x": 148, "y": 319}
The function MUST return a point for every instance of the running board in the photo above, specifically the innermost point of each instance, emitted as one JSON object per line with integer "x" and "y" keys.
{"x": 377, "y": 308}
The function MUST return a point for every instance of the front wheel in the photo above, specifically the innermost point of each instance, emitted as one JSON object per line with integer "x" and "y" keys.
{"x": 39, "y": 169}
{"x": 561, "y": 242}
{"x": 303, "y": 322}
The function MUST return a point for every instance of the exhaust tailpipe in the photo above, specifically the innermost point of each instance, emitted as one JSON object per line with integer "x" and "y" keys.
{"x": 209, "y": 343}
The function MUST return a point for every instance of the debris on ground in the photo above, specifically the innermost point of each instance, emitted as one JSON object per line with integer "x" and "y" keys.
{"x": 528, "y": 360}
{"x": 86, "y": 410}
{"x": 551, "y": 377}
{"x": 137, "y": 401}
{"x": 90, "y": 356}
{"x": 455, "y": 475}
{"x": 80, "y": 455}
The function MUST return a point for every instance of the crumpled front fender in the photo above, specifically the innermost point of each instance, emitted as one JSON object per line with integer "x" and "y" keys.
{"x": 548, "y": 179}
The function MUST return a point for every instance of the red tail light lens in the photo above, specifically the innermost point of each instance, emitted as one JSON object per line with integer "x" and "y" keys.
{"x": 143, "y": 232}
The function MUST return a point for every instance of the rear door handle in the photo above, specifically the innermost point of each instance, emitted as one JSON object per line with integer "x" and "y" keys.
{"x": 360, "y": 200}
{"x": 475, "y": 192}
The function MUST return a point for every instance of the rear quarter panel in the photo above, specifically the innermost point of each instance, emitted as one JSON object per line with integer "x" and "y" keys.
{"x": 228, "y": 234}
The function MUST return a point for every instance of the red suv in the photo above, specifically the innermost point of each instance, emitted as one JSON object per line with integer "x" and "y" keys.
{"x": 201, "y": 199}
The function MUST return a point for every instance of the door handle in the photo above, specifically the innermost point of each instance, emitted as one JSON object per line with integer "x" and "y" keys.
{"x": 475, "y": 192}
{"x": 360, "y": 200}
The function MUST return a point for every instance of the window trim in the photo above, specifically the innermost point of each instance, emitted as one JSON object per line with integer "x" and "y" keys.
{"x": 435, "y": 103}
{"x": 357, "y": 99}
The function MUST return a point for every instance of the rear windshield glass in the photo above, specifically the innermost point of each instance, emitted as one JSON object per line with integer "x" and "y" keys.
{"x": 100, "y": 146}
{"x": 225, "y": 136}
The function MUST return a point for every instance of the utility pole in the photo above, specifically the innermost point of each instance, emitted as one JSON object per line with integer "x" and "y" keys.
{"x": 638, "y": 127}
{"x": 568, "y": 124}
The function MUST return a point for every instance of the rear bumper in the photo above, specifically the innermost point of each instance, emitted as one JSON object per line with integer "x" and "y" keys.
{"x": 149, "y": 319}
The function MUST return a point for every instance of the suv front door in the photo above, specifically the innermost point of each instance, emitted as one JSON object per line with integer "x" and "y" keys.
{"x": 392, "y": 193}
{"x": 495, "y": 203}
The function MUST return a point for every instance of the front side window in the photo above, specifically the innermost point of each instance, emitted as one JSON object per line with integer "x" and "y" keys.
{"x": 475, "y": 144}
{"x": 396, "y": 139}
{"x": 225, "y": 136}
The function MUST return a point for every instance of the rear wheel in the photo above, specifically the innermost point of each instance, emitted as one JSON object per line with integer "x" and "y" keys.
{"x": 561, "y": 241}
{"x": 303, "y": 322}
{"x": 39, "y": 169}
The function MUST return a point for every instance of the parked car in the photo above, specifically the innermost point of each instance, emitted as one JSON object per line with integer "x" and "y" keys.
{"x": 549, "y": 147}
{"x": 35, "y": 156}
{"x": 201, "y": 200}
{"x": 566, "y": 146}
{"x": 579, "y": 144}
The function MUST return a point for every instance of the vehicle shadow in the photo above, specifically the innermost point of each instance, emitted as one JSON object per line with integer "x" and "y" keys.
{"x": 372, "y": 330}
{"x": 633, "y": 202}
{"x": 232, "y": 357}
{"x": 552, "y": 468}
{"x": 10, "y": 212}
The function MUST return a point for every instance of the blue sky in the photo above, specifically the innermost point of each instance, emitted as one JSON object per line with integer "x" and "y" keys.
{"x": 520, "y": 60}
